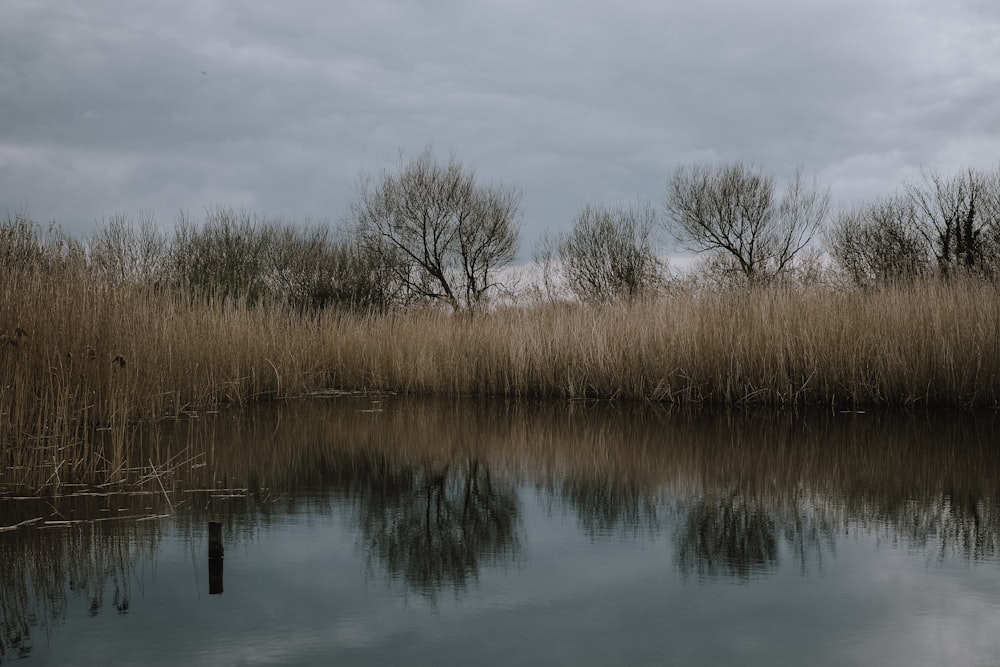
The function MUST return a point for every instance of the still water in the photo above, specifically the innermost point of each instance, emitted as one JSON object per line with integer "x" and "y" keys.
{"x": 400, "y": 531}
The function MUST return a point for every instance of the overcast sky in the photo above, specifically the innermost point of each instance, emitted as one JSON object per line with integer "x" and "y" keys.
{"x": 120, "y": 105}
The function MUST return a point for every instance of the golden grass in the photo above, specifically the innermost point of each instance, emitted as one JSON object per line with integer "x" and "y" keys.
{"x": 931, "y": 345}
{"x": 77, "y": 355}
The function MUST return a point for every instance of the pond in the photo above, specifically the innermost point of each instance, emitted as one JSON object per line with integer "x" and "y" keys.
{"x": 389, "y": 530}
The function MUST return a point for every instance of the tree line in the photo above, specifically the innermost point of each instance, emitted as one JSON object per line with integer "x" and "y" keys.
{"x": 429, "y": 232}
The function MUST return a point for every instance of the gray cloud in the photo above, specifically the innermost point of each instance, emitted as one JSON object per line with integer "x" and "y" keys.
{"x": 113, "y": 105}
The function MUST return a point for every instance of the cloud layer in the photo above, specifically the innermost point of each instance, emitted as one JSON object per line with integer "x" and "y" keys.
{"x": 110, "y": 106}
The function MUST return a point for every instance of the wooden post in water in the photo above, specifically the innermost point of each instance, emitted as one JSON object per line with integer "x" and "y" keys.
{"x": 214, "y": 558}
{"x": 214, "y": 539}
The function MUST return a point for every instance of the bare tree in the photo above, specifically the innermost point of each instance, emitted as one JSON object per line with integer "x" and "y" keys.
{"x": 609, "y": 254}
{"x": 293, "y": 257}
{"x": 989, "y": 213}
{"x": 126, "y": 251}
{"x": 957, "y": 217}
{"x": 311, "y": 267}
{"x": 547, "y": 285}
{"x": 22, "y": 247}
{"x": 27, "y": 248}
{"x": 446, "y": 234}
{"x": 224, "y": 257}
{"x": 878, "y": 243}
{"x": 734, "y": 210}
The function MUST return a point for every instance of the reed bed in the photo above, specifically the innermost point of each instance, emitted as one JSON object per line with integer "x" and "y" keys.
{"x": 927, "y": 345}
{"x": 79, "y": 358}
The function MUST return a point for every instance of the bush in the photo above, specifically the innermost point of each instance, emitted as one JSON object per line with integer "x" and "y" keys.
{"x": 878, "y": 244}
{"x": 609, "y": 254}
{"x": 123, "y": 252}
{"x": 25, "y": 249}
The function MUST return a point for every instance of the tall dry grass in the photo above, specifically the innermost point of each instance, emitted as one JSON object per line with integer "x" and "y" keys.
{"x": 78, "y": 355}
{"x": 82, "y": 363}
{"x": 923, "y": 345}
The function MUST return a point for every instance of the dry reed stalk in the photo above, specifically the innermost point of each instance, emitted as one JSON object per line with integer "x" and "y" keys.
{"x": 78, "y": 356}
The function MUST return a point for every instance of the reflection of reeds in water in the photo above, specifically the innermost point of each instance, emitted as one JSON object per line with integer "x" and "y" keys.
{"x": 431, "y": 487}
{"x": 44, "y": 570}
{"x": 871, "y": 466}
{"x": 921, "y": 476}
{"x": 94, "y": 545}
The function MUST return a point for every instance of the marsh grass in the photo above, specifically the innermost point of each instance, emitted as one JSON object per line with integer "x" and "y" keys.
{"x": 929, "y": 346}
{"x": 83, "y": 363}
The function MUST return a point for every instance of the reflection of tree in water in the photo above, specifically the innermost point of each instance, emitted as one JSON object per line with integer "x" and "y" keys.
{"x": 967, "y": 522}
{"x": 716, "y": 533}
{"x": 732, "y": 536}
{"x": 44, "y": 568}
{"x": 928, "y": 479}
{"x": 605, "y": 505}
{"x": 436, "y": 526}
{"x": 726, "y": 536}
{"x": 735, "y": 492}
{"x": 95, "y": 559}
{"x": 964, "y": 524}
{"x": 721, "y": 533}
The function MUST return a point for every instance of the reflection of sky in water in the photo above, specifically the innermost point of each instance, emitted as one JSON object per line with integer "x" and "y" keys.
{"x": 299, "y": 592}
{"x": 440, "y": 534}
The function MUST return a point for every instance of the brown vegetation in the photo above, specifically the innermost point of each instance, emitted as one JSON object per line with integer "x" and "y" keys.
{"x": 78, "y": 355}
{"x": 95, "y": 340}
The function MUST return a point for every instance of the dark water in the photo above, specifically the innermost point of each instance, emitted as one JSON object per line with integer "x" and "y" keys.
{"x": 439, "y": 532}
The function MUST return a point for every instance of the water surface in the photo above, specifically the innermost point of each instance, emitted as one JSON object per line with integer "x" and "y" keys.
{"x": 400, "y": 531}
